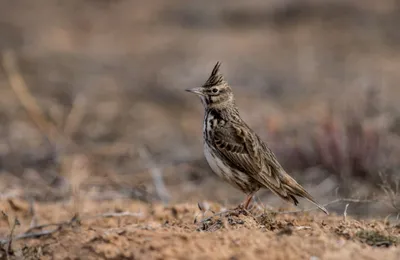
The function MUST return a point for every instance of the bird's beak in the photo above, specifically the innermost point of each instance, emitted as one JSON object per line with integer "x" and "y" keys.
{"x": 197, "y": 91}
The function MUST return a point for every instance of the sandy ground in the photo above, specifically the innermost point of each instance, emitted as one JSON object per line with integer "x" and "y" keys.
{"x": 178, "y": 232}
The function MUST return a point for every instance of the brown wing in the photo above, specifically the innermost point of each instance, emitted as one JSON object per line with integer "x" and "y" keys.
{"x": 243, "y": 150}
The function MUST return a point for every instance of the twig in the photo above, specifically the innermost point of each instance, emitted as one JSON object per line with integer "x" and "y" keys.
{"x": 30, "y": 234}
{"x": 156, "y": 173}
{"x": 392, "y": 193}
{"x": 38, "y": 234}
{"x": 327, "y": 204}
{"x": 39, "y": 227}
{"x": 303, "y": 227}
{"x": 49, "y": 130}
{"x": 32, "y": 212}
{"x": 216, "y": 215}
{"x": 117, "y": 214}
{"x": 74, "y": 219}
{"x": 16, "y": 223}
{"x": 345, "y": 212}
{"x": 75, "y": 115}
{"x": 27, "y": 100}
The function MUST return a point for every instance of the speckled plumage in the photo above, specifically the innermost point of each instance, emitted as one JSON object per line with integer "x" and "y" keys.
{"x": 235, "y": 152}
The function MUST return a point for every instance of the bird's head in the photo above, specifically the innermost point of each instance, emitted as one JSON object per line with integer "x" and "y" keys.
{"x": 215, "y": 92}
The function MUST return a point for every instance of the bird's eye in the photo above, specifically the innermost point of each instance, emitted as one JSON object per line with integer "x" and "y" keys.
{"x": 214, "y": 90}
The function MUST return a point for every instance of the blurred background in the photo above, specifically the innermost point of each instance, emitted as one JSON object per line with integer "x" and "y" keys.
{"x": 92, "y": 97}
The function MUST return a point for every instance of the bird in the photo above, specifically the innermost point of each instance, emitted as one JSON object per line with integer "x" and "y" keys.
{"x": 235, "y": 152}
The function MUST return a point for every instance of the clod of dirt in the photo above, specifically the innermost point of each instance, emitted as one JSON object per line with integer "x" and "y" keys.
{"x": 343, "y": 231}
{"x": 231, "y": 219}
{"x": 375, "y": 238}
{"x": 285, "y": 231}
{"x": 371, "y": 234}
{"x": 27, "y": 253}
{"x": 268, "y": 220}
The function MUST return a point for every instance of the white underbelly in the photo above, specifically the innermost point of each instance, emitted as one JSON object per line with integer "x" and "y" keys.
{"x": 235, "y": 177}
{"x": 216, "y": 164}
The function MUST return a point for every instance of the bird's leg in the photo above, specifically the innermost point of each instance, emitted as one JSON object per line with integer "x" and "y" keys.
{"x": 247, "y": 201}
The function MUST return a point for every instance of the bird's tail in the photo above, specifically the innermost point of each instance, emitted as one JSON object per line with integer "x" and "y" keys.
{"x": 291, "y": 188}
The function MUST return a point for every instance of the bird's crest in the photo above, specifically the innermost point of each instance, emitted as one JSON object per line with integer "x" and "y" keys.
{"x": 216, "y": 77}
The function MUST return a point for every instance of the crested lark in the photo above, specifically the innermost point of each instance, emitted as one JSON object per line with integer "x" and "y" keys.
{"x": 235, "y": 152}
